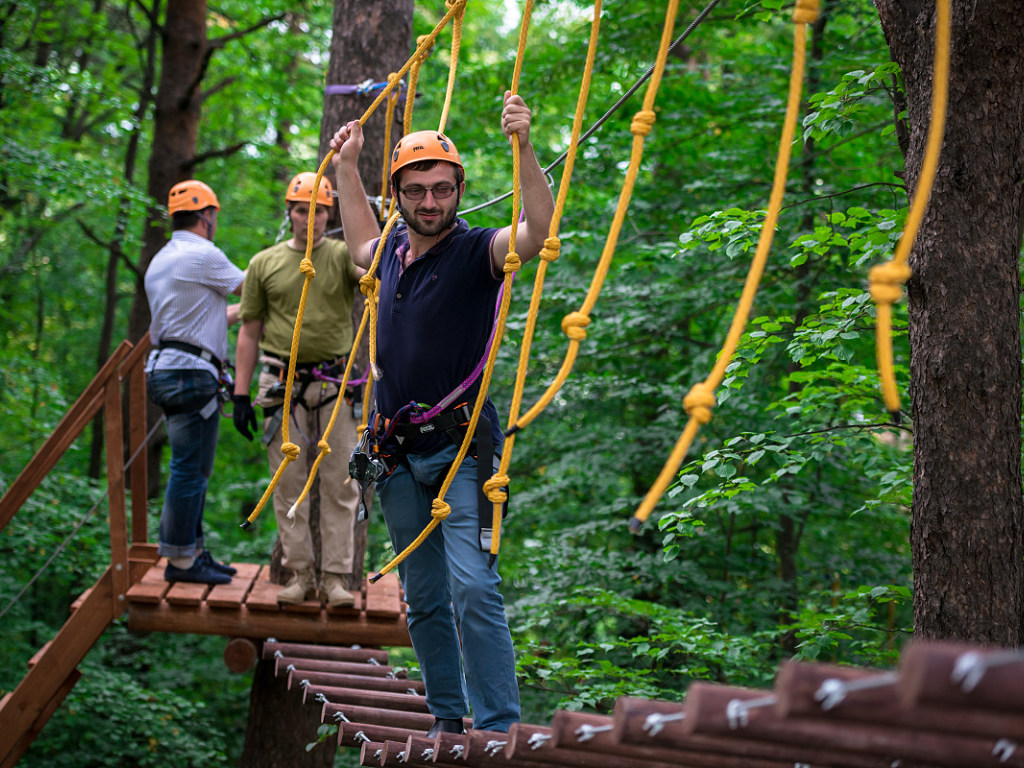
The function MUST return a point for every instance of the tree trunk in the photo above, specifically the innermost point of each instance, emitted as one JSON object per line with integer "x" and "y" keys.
{"x": 280, "y": 726}
{"x": 175, "y": 129}
{"x": 371, "y": 40}
{"x": 968, "y": 511}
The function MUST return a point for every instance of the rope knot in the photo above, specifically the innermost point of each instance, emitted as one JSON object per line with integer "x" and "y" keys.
{"x": 290, "y": 450}
{"x": 552, "y": 246}
{"x": 306, "y": 267}
{"x": 493, "y": 488}
{"x": 368, "y": 285}
{"x": 642, "y": 123}
{"x": 886, "y": 281}
{"x": 805, "y": 11}
{"x": 699, "y": 401}
{"x": 440, "y": 509}
{"x": 512, "y": 262}
{"x": 323, "y": 446}
{"x": 392, "y": 76}
{"x": 426, "y": 51}
{"x": 574, "y": 326}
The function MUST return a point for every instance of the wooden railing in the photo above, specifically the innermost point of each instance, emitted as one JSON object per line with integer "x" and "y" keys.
{"x": 119, "y": 390}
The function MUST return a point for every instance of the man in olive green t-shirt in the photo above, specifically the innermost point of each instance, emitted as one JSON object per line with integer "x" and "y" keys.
{"x": 270, "y": 303}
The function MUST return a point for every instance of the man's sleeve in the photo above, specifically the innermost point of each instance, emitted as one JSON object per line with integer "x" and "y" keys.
{"x": 253, "y": 305}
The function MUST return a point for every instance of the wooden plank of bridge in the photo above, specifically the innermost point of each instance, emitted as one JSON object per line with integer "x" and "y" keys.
{"x": 232, "y": 594}
{"x": 152, "y": 587}
{"x": 186, "y": 593}
{"x": 384, "y": 598}
{"x": 263, "y": 595}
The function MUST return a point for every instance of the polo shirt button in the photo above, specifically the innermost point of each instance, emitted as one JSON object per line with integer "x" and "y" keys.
{"x": 398, "y": 295}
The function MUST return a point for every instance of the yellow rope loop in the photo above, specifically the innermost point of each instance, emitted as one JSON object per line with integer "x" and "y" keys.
{"x": 574, "y": 325}
{"x": 290, "y": 451}
{"x": 306, "y": 267}
{"x": 643, "y": 122}
{"x": 425, "y": 53}
{"x": 552, "y": 247}
{"x": 887, "y": 280}
{"x": 512, "y": 262}
{"x": 440, "y": 509}
{"x": 323, "y": 446}
{"x": 368, "y": 285}
{"x": 805, "y": 12}
{"x": 493, "y": 488}
{"x": 699, "y": 401}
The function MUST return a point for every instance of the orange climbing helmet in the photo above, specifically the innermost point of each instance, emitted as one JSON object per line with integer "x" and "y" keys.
{"x": 300, "y": 189}
{"x": 423, "y": 145}
{"x": 191, "y": 195}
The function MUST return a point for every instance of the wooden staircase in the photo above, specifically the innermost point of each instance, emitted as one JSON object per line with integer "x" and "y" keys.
{"x": 133, "y": 582}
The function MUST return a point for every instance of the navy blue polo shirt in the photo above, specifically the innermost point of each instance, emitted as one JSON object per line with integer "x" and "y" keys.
{"x": 434, "y": 320}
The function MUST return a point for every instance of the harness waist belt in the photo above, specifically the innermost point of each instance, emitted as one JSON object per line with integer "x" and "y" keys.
{"x": 443, "y": 422}
{"x": 192, "y": 349}
{"x": 302, "y": 368}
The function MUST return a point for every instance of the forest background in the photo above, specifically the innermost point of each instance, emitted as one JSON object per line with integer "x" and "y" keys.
{"x": 787, "y": 532}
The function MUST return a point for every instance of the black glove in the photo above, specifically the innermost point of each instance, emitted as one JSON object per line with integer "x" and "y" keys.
{"x": 244, "y": 416}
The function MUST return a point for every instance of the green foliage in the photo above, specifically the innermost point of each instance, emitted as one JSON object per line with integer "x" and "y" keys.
{"x": 786, "y": 533}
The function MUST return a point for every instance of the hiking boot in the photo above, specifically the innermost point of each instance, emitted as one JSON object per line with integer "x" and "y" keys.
{"x": 332, "y": 589}
{"x": 300, "y": 588}
{"x": 199, "y": 573}
{"x": 206, "y": 557}
{"x": 445, "y": 725}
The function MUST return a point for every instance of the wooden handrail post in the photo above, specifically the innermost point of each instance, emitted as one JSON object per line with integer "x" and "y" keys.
{"x": 133, "y": 371}
{"x": 116, "y": 507}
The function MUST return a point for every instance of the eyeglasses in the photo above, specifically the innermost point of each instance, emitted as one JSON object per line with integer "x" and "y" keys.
{"x": 440, "y": 191}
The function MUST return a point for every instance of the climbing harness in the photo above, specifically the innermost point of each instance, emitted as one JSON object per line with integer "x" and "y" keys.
{"x": 225, "y": 381}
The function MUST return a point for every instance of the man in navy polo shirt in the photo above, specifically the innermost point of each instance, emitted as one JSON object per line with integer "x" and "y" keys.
{"x": 440, "y": 281}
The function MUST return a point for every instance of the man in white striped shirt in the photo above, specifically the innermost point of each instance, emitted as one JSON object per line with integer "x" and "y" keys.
{"x": 187, "y": 284}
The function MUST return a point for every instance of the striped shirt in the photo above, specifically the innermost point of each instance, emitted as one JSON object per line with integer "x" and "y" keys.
{"x": 187, "y": 284}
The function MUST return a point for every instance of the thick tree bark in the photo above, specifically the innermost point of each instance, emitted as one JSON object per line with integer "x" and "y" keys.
{"x": 280, "y": 726}
{"x": 968, "y": 510}
{"x": 371, "y": 40}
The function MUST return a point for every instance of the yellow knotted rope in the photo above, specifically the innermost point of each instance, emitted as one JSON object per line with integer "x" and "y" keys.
{"x": 385, "y": 177}
{"x": 493, "y": 487}
{"x": 291, "y": 450}
{"x": 574, "y": 324}
{"x": 701, "y": 398}
{"x": 453, "y": 63}
{"x": 886, "y": 280}
{"x": 440, "y": 509}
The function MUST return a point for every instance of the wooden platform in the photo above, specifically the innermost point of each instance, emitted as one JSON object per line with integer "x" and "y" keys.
{"x": 247, "y": 607}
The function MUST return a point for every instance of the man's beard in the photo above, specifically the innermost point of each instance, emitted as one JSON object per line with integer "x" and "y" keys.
{"x": 428, "y": 229}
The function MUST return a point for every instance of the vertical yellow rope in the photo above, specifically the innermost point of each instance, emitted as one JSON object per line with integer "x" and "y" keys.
{"x": 574, "y": 324}
{"x": 701, "y": 398}
{"x": 288, "y": 448}
{"x": 386, "y": 164}
{"x": 886, "y": 280}
{"x": 440, "y": 509}
{"x": 549, "y": 253}
{"x": 453, "y": 64}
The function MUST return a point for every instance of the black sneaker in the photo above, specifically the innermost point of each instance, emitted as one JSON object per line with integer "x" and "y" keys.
{"x": 199, "y": 573}
{"x": 207, "y": 558}
{"x": 446, "y": 725}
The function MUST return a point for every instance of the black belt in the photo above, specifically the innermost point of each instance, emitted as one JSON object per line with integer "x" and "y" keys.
{"x": 192, "y": 349}
{"x": 449, "y": 422}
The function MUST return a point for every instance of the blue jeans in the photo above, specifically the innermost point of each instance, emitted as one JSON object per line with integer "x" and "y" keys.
{"x": 183, "y": 394}
{"x": 450, "y": 590}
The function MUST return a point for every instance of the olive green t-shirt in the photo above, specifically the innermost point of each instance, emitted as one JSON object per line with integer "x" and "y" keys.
{"x": 273, "y": 287}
